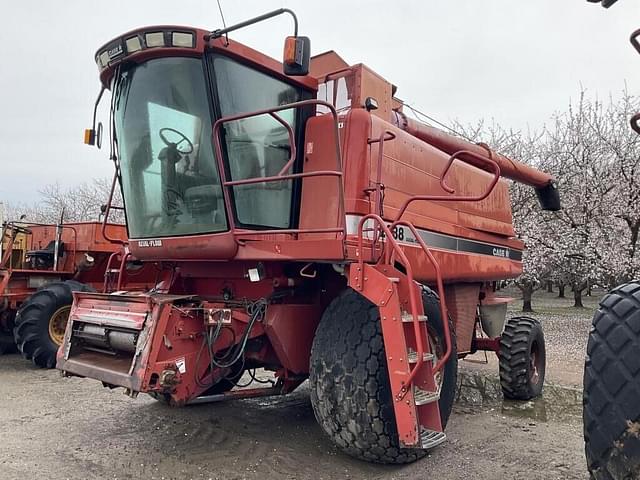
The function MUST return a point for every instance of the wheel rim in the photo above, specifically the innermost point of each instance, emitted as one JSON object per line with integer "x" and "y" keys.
{"x": 534, "y": 368}
{"x": 58, "y": 324}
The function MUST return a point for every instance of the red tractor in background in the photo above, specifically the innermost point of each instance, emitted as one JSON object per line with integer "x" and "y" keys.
{"x": 41, "y": 265}
{"x": 302, "y": 224}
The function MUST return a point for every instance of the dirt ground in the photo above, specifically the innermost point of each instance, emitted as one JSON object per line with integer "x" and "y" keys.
{"x": 69, "y": 428}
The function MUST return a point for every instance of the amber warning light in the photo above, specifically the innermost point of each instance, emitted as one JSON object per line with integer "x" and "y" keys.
{"x": 297, "y": 52}
{"x": 93, "y": 136}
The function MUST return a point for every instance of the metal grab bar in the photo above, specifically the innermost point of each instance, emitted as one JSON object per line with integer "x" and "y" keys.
{"x": 412, "y": 294}
{"x": 108, "y": 210}
{"x": 384, "y": 136}
{"x": 456, "y": 198}
{"x": 439, "y": 285}
{"x": 226, "y": 184}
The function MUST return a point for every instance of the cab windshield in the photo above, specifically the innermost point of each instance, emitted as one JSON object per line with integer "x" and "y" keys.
{"x": 169, "y": 173}
{"x": 169, "y": 177}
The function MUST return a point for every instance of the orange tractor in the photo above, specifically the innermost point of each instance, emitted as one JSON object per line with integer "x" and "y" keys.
{"x": 41, "y": 265}
{"x": 301, "y": 224}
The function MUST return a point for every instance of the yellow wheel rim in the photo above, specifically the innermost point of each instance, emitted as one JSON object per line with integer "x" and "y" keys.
{"x": 58, "y": 324}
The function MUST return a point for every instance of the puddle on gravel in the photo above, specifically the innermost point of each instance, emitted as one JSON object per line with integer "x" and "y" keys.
{"x": 557, "y": 403}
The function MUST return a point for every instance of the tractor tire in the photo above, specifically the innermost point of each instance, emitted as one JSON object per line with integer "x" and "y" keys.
{"x": 611, "y": 398}
{"x": 40, "y": 321}
{"x": 349, "y": 381}
{"x": 522, "y": 359}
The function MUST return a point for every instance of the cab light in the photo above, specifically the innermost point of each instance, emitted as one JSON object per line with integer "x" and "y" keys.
{"x": 104, "y": 59}
{"x": 182, "y": 39}
{"x": 133, "y": 44}
{"x": 154, "y": 39}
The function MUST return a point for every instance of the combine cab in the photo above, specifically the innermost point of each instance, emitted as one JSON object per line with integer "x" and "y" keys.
{"x": 40, "y": 267}
{"x": 304, "y": 225}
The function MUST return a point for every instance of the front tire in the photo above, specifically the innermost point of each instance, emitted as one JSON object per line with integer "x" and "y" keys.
{"x": 42, "y": 319}
{"x": 349, "y": 381}
{"x": 611, "y": 398}
{"x": 522, "y": 359}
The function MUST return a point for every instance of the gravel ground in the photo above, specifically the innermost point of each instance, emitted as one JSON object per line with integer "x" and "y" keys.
{"x": 71, "y": 428}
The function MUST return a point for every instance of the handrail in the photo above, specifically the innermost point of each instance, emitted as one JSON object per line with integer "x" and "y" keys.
{"x": 123, "y": 264}
{"x": 440, "y": 287}
{"x": 108, "y": 210}
{"x": 384, "y": 136}
{"x": 379, "y": 189}
{"x": 107, "y": 273}
{"x": 456, "y": 198}
{"x": 292, "y": 141}
{"x": 412, "y": 294}
{"x": 226, "y": 184}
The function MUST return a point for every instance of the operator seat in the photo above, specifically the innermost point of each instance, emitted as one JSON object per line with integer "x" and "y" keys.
{"x": 43, "y": 259}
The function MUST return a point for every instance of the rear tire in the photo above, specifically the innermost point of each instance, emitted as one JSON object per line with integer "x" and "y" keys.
{"x": 611, "y": 399}
{"x": 32, "y": 332}
{"x": 349, "y": 381}
{"x": 522, "y": 359}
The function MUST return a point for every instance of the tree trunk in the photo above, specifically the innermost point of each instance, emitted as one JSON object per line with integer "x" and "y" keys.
{"x": 561, "y": 290}
{"x": 577, "y": 298}
{"x": 549, "y": 286}
{"x": 527, "y": 293}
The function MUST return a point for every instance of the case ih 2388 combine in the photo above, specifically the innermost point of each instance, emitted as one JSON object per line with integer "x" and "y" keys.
{"x": 304, "y": 225}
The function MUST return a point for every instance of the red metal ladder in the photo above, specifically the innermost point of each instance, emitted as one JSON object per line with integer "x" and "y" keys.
{"x": 411, "y": 363}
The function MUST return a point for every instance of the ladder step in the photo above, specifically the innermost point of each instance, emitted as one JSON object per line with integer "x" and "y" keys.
{"x": 413, "y": 357}
{"x": 422, "y": 397}
{"x": 407, "y": 317}
{"x": 431, "y": 438}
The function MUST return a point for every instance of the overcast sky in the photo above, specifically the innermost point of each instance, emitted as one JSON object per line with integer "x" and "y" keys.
{"x": 515, "y": 61}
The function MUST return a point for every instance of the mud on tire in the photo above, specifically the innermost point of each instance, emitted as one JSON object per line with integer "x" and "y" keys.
{"x": 31, "y": 332}
{"x": 611, "y": 398}
{"x": 350, "y": 390}
{"x": 522, "y": 358}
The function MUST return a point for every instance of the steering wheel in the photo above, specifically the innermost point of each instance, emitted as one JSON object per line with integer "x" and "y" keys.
{"x": 183, "y": 138}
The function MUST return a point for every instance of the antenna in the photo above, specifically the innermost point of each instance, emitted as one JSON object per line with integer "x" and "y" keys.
{"x": 224, "y": 24}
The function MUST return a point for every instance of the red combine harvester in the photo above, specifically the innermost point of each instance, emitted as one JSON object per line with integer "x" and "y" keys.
{"x": 303, "y": 225}
{"x": 41, "y": 265}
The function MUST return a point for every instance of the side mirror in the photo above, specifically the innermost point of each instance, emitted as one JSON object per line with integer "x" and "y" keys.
{"x": 297, "y": 55}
